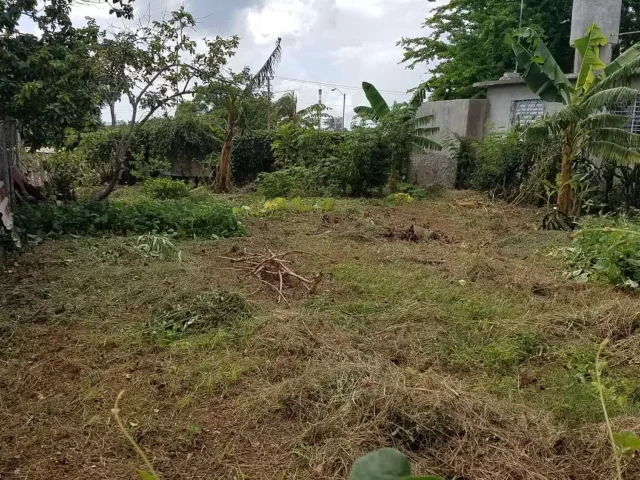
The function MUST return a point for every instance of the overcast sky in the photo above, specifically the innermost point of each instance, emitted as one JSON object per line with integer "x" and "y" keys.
{"x": 341, "y": 42}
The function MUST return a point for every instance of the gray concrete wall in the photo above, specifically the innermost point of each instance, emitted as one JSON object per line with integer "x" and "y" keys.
{"x": 464, "y": 117}
{"x": 500, "y": 98}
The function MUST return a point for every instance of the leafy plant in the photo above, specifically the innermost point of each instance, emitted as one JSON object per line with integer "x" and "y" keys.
{"x": 157, "y": 246}
{"x": 198, "y": 314}
{"x": 181, "y": 218}
{"x": 385, "y": 464}
{"x": 289, "y": 182}
{"x": 606, "y": 251}
{"x": 164, "y": 188}
{"x": 582, "y": 123}
{"x": 402, "y": 129}
{"x": 400, "y": 198}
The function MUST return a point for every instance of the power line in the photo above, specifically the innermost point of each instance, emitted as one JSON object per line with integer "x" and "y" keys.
{"x": 337, "y": 85}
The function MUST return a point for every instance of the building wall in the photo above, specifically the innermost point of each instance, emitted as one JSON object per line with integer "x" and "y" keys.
{"x": 463, "y": 117}
{"x": 500, "y": 98}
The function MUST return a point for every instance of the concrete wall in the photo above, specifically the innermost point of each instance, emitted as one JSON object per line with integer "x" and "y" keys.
{"x": 500, "y": 98}
{"x": 464, "y": 117}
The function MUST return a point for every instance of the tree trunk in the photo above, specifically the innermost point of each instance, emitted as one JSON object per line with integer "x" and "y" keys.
{"x": 223, "y": 173}
{"x": 105, "y": 191}
{"x": 112, "y": 109}
{"x": 565, "y": 197}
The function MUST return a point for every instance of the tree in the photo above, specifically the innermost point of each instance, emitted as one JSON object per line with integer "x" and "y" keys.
{"x": 237, "y": 92}
{"x": 403, "y": 130}
{"x": 154, "y": 68}
{"x": 466, "y": 45}
{"x": 584, "y": 123}
{"x": 286, "y": 109}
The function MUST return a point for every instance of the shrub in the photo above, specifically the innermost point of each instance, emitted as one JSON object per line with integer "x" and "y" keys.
{"x": 252, "y": 155}
{"x": 606, "y": 251}
{"x": 164, "y": 188}
{"x": 65, "y": 171}
{"x": 289, "y": 182}
{"x": 181, "y": 217}
{"x": 363, "y": 163}
{"x": 296, "y": 145}
{"x": 400, "y": 198}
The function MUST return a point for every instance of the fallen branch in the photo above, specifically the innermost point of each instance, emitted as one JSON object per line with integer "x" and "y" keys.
{"x": 274, "y": 271}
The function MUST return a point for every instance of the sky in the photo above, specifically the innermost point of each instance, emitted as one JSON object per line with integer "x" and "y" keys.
{"x": 335, "y": 42}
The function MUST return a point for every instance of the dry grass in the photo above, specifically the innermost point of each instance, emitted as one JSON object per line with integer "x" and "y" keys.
{"x": 466, "y": 349}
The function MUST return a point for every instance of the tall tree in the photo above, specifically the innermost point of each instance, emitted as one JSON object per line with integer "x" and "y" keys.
{"x": 584, "y": 124}
{"x": 466, "y": 43}
{"x": 238, "y": 93}
{"x": 156, "y": 67}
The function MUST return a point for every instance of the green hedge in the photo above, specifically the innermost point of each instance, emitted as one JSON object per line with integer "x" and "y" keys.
{"x": 184, "y": 218}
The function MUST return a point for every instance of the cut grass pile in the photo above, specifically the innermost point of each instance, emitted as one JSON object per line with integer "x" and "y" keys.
{"x": 467, "y": 350}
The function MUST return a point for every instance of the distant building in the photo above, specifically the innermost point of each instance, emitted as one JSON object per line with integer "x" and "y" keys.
{"x": 509, "y": 100}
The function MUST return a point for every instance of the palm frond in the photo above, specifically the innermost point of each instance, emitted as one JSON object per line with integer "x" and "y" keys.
{"x": 427, "y": 130}
{"x": 268, "y": 69}
{"x": 568, "y": 114}
{"x": 613, "y": 151}
{"x": 603, "y": 120}
{"x": 616, "y": 135}
{"x": 419, "y": 96}
{"x": 378, "y": 104}
{"x": 610, "y": 98}
{"x": 620, "y": 76}
{"x": 426, "y": 143}
{"x": 365, "y": 111}
{"x": 424, "y": 120}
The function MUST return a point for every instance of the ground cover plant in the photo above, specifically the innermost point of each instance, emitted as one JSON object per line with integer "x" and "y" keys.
{"x": 465, "y": 348}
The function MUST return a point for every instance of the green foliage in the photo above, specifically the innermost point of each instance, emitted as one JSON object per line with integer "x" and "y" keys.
{"x": 181, "y": 218}
{"x": 606, "y": 251}
{"x": 199, "y": 314}
{"x": 384, "y": 464}
{"x": 289, "y": 182}
{"x": 65, "y": 171}
{"x": 157, "y": 247}
{"x": 400, "y": 198}
{"x": 466, "y": 44}
{"x": 164, "y": 188}
{"x": 296, "y": 145}
{"x": 252, "y": 155}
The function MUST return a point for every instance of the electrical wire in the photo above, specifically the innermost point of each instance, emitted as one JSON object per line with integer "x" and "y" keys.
{"x": 336, "y": 85}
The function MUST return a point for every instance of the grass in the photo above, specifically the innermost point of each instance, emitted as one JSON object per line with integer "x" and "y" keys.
{"x": 468, "y": 350}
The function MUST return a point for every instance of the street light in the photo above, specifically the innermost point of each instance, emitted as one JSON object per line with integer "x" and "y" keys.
{"x": 344, "y": 104}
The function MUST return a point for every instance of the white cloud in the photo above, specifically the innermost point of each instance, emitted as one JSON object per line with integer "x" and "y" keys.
{"x": 278, "y": 18}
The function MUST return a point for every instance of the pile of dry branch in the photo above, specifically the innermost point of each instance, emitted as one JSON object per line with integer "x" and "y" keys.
{"x": 276, "y": 271}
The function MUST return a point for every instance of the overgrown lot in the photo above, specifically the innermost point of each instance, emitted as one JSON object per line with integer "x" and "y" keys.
{"x": 441, "y": 327}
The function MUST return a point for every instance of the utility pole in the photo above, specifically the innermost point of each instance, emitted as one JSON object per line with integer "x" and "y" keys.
{"x": 319, "y": 109}
{"x": 344, "y": 104}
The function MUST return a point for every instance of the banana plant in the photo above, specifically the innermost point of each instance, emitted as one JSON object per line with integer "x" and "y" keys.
{"x": 584, "y": 122}
{"x": 403, "y": 130}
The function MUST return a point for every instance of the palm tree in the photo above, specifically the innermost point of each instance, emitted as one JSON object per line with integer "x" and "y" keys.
{"x": 403, "y": 129}
{"x": 286, "y": 109}
{"x": 584, "y": 122}
{"x": 236, "y": 91}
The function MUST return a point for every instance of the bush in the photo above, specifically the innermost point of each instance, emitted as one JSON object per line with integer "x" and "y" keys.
{"x": 606, "y": 251}
{"x": 289, "y": 182}
{"x": 182, "y": 218}
{"x": 164, "y": 188}
{"x": 65, "y": 172}
{"x": 252, "y": 155}
{"x": 296, "y": 145}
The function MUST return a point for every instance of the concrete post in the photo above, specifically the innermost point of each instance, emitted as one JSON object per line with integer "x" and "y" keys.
{"x": 604, "y": 13}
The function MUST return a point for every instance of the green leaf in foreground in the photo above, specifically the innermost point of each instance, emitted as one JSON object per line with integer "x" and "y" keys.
{"x": 384, "y": 464}
{"x": 626, "y": 441}
{"x": 144, "y": 475}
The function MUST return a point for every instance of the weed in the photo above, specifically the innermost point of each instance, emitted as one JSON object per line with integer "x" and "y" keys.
{"x": 157, "y": 246}
{"x": 164, "y": 188}
{"x": 180, "y": 218}
{"x": 202, "y": 313}
{"x": 399, "y": 198}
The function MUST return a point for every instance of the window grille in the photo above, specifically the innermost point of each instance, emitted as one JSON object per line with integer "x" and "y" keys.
{"x": 525, "y": 112}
